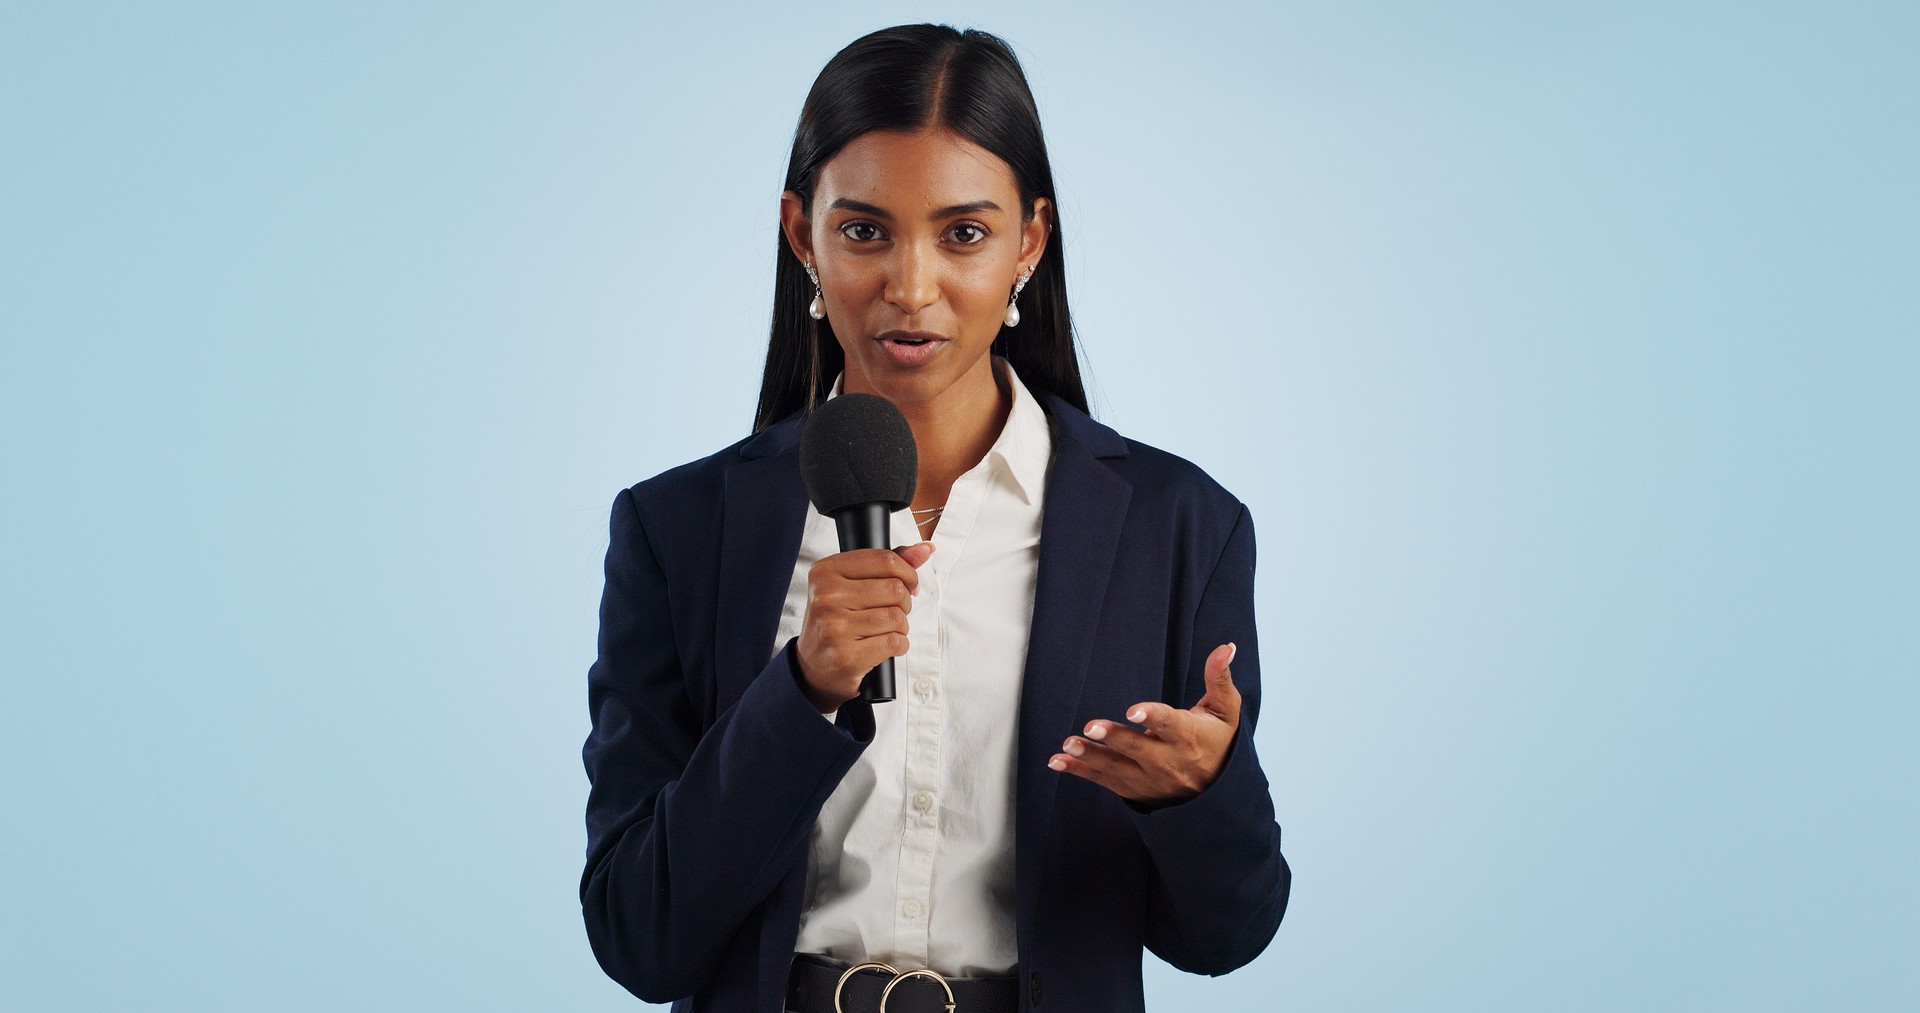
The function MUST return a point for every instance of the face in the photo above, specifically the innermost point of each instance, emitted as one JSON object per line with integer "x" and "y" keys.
{"x": 918, "y": 239}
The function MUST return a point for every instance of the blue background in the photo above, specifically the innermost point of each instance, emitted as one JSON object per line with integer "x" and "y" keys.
{"x": 1565, "y": 353}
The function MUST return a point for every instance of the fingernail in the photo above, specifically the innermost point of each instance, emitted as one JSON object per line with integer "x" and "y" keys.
{"x": 1096, "y": 731}
{"x": 1232, "y": 650}
{"x": 1073, "y": 747}
{"x": 1138, "y": 717}
{"x": 1057, "y": 763}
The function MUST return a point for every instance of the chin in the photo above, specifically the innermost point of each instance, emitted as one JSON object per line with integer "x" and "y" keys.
{"x": 917, "y": 384}
{"x": 906, "y": 386}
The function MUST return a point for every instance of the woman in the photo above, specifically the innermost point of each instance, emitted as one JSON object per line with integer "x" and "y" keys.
{"x": 1069, "y": 772}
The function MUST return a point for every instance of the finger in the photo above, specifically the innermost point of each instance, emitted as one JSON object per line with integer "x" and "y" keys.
{"x": 869, "y": 622}
{"x": 873, "y": 564}
{"x": 1154, "y": 716}
{"x": 1142, "y": 747}
{"x": 1222, "y": 697}
{"x": 857, "y": 595}
{"x": 867, "y": 652}
{"x": 848, "y": 661}
{"x": 1115, "y": 764}
{"x": 1153, "y": 754}
{"x": 1092, "y": 762}
{"x": 915, "y": 554}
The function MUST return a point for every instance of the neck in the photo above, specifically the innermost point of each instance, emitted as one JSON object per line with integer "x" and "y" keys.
{"x": 954, "y": 431}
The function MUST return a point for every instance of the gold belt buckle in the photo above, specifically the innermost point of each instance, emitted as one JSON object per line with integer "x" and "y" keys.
{"x": 898, "y": 977}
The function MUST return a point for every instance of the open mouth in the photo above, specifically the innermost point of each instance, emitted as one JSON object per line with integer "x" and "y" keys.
{"x": 910, "y": 348}
{"x": 911, "y": 339}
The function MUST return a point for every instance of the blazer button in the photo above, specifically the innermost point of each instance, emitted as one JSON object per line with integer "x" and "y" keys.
{"x": 1033, "y": 987}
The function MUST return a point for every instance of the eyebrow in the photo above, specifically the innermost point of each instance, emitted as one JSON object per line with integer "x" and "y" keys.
{"x": 971, "y": 207}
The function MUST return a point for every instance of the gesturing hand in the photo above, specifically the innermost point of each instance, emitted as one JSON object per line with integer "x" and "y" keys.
{"x": 1173, "y": 756}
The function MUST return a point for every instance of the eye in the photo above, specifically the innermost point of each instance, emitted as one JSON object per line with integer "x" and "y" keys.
{"x": 969, "y": 234}
{"x": 862, "y": 232}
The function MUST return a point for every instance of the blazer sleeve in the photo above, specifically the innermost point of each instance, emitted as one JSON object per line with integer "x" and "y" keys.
{"x": 1219, "y": 884}
{"x": 689, "y": 829}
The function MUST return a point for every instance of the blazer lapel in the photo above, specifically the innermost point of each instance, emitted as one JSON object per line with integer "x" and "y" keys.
{"x": 1086, "y": 508}
{"x": 766, "y": 510}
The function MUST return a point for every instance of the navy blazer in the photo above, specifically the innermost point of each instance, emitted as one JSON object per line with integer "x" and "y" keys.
{"x": 709, "y": 766}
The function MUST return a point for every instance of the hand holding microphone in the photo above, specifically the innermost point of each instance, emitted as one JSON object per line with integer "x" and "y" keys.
{"x": 857, "y": 605}
{"x": 859, "y": 462}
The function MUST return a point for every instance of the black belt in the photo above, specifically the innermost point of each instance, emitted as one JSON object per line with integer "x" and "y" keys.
{"x": 815, "y": 979}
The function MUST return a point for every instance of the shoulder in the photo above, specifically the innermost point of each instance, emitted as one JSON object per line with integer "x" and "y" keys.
{"x": 1162, "y": 482}
{"x": 1174, "y": 476}
{"x": 704, "y": 479}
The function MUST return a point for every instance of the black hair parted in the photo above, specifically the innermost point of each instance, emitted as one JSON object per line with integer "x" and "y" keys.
{"x": 907, "y": 78}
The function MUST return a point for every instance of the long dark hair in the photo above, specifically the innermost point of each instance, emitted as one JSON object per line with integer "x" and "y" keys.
{"x": 907, "y": 78}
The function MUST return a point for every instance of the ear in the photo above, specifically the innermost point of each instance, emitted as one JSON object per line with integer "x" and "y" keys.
{"x": 1035, "y": 232}
{"x": 793, "y": 222}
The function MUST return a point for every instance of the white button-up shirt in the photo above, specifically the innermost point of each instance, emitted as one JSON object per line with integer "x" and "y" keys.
{"x": 912, "y": 856}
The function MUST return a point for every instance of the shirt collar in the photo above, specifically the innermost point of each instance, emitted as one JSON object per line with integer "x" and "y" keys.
{"x": 1025, "y": 443}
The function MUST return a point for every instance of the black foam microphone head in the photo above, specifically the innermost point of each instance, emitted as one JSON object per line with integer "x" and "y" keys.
{"x": 857, "y": 448}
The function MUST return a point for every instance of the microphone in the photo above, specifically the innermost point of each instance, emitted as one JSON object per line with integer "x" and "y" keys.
{"x": 859, "y": 462}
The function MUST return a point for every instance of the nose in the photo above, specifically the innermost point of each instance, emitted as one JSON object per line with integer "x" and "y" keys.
{"x": 913, "y": 282}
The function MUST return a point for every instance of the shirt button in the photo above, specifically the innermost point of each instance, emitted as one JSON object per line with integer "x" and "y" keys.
{"x": 924, "y": 687}
{"x": 922, "y": 801}
{"x": 911, "y": 909}
{"x": 1033, "y": 987}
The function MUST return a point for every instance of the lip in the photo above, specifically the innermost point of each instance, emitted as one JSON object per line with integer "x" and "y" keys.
{"x": 900, "y": 347}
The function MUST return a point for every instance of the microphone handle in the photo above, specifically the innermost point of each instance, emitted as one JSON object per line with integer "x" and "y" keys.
{"x": 866, "y": 526}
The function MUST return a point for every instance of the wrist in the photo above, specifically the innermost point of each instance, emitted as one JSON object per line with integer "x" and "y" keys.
{"x": 821, "y": 702}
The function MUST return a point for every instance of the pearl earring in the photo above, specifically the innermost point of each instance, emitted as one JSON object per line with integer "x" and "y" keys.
{"x": 1013, "y": 311}
{"x": 816, "y": 309}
